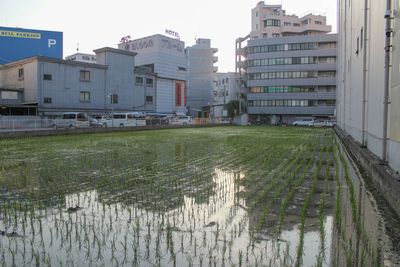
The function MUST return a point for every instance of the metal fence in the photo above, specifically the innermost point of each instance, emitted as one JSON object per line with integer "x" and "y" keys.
{"x": 29, "y": 123}
{"x": 11, "y": 123}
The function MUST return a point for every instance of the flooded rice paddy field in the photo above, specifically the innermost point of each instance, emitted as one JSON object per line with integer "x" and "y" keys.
{"x": 223, "y": 196}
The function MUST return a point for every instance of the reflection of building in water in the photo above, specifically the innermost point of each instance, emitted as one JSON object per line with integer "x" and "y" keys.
{"x": 161, "y": 176}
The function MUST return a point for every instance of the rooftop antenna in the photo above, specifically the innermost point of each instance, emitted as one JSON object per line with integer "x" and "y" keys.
{"x": 77, "y": 47}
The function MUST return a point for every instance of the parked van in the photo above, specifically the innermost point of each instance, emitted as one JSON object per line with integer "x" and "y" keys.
{"x": 181, "y": 120}
{"x": 72, "y": 120}
{"x": 119, "y": 120}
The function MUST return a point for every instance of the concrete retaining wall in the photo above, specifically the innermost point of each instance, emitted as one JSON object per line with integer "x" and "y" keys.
{"x": 382, "y": 177}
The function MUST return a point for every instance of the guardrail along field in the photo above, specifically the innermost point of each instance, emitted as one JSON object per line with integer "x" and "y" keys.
{"x": 222, "y": 196}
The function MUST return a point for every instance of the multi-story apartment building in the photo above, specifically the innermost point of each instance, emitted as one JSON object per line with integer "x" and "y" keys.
{"x": 269, "y": 21}
{"x": 225, "y": 91}
{"x": 368, "y": 97}
{"x": 166, "y": 58}
{"x": 54, "y": 85}
{"x": 288, "y": 66}
{"x": 201, "y": 74}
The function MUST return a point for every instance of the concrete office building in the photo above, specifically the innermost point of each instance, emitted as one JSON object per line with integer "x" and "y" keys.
{"x": 368, "y": 97}
{"x": 166, "y": 58}
{"x": 288, "y": 66}
{"x": 226, "y": 90}
{"x": 201, "y": 75}
{"x": 54, "y": 85}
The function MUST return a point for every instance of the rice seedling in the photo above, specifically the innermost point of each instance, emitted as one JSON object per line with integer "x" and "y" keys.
{"x": 189, "y": 197}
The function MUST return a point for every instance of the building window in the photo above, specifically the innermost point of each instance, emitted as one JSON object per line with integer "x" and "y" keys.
{"x": 84, "y": 96}
{"x": 327, "y": 45}
{"x": 47, "y": 77}
{"x": 182, "y": 68}
{"x": 276, "y": 35}
{"x": 9, "y": 95}
{"x": 327, "y": 74}
{"x": 289, "y": 47}
{"x": 20, "y": 74}
{"x": 84, "y": 76}
{"x": 272, "y": 23}
{"x": 318, "y": 22}
{"x": 296, "y": 24}
{"x": 149, "y": 81}
{"x": 149, "y": 98}
{"x": 114, "y": 99}
{"x": 47, "y": 100}
{"x": 287, "y": 24}
{"x": 139, "y": 80}
{"x": 285, "y": 75}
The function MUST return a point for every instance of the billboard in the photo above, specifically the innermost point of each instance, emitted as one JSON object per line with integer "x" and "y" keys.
{"x": 18, "y": 43}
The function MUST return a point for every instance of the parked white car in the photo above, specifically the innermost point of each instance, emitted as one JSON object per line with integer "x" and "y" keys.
{"x": 181, "y": 120}
{"x": 72, "y": 120}
{"x": 119, "y": 120}
{"x": 304, "y": 122}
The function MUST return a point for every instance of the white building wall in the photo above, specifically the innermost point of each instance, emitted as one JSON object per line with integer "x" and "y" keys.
{"x": 65, "y": 86}
{"x": 165, "y": 95}
{"x": 355, "y": 36}
{"x": 394, "y": 111}
{"x": 201, "y": 73}
{"x": 167, "y": 55}
{"x": 28, "y": 83}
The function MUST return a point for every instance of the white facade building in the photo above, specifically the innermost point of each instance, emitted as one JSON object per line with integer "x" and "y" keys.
{"x": 226, "y": 90}
{"x": 201, "y": 74}
{"x": 288, "y": 67}
{"x": 166, "y": 57}
{"x": 82, "y": 57}
{"x": 368, "y": 96}
{"x": 270, "y": 21}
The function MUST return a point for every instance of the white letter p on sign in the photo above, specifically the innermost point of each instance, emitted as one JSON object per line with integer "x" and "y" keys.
{"x": 51, "y": 42}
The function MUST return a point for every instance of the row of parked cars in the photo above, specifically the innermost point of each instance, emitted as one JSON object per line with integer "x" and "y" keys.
{"x": 129, "y": 119}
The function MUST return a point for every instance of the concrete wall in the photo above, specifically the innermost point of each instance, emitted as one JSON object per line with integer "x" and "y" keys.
{"x": 360, "y": 93}
{"x": 65, "y": 86}
{"x": 10, "y": 78}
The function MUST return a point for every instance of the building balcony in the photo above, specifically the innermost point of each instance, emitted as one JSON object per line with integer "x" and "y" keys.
{"x": 215, "y": 59}
{"x": 241, "y": 51}
{"x": 215, "y": 69}
{"x": 306, "y": 28}
{"x": 293, "y": 96}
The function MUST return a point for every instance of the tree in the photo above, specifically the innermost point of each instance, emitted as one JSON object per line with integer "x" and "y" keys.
{"x": 233, "y": 108}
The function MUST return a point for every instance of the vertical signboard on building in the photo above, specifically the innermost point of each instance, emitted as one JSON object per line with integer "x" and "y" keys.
{"x": 17, "y": 43}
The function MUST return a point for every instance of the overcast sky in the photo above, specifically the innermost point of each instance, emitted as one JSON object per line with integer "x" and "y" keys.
{"x": 93, "y": 24}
